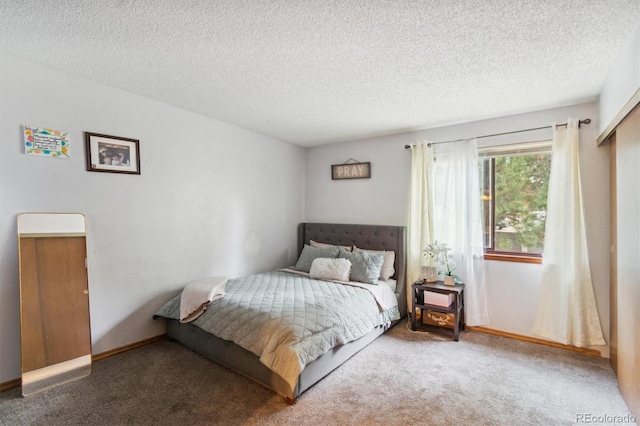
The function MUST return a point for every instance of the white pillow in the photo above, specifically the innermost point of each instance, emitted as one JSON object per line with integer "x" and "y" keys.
{"x": 389, "y": 259}
{"x": 330, "y": 269}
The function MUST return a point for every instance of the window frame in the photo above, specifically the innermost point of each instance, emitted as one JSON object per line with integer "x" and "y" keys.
{"x": 491, "y": 153}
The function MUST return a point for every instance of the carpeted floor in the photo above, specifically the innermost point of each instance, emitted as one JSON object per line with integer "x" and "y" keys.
{"x": 403, "y": 378}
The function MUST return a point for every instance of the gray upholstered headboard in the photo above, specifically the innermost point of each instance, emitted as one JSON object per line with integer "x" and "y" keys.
{"x": 373, "y": 237}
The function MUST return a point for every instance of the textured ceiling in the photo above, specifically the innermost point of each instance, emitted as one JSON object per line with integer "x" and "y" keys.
{"x": 312, "y": 72}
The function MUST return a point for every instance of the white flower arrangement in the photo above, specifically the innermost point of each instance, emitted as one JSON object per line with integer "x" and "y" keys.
{"x": 440, "y": 253}
{"x": 435, "y": 249}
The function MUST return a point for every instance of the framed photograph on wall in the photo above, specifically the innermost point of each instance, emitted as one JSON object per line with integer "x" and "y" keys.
{"x": 112, "y": 154}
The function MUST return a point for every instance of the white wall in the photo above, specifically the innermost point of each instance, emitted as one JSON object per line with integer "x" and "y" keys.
{"x": 212, "y": 199}
{"x": 512, "y": 287}
{"x": 622, "y": 81}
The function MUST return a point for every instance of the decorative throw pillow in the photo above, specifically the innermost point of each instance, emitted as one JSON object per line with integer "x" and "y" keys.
{"x": 365, "y": 266}
{"x": 317, "y": 244}
{"x": 310, "y": 253}
{"x": 389, "y": 260}
{"x": 330, "y": 269}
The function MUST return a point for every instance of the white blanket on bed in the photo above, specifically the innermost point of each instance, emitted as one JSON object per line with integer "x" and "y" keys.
{"x": 198, "y": 295}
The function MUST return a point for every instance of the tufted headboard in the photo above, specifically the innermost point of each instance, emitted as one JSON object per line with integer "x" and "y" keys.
{"x": 372, "y": 237}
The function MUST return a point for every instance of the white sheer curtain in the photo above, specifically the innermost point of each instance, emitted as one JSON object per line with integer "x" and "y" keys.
{"x": 567, "y": 310}
{"x": 458, "y": 220}
{"x": 420, "y": 211}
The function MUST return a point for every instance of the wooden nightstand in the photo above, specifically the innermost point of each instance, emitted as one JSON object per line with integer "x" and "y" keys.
{"x": 456, "y": 307}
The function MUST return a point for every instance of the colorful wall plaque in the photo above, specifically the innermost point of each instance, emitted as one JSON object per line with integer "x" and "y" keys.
{"x": 46, "y": 142}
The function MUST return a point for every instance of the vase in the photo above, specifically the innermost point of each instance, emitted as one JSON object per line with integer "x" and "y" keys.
{"x": 448, "y": 280}
{"x": 430, "y": 274}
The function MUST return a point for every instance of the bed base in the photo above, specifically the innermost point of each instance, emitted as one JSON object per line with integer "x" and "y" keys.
{"x": 248, "y": 364}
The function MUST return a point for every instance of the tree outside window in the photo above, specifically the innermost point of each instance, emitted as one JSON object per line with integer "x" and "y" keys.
{"x": 514, "y": 195}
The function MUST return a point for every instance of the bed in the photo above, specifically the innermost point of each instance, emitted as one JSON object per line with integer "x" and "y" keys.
{"x": 246, "y": 362}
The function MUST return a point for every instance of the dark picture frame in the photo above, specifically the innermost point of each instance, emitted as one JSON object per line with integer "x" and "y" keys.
{"x": 112, "y": 154}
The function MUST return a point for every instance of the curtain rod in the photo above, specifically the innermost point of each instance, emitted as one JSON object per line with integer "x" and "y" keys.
{"x": 585, "y": 121}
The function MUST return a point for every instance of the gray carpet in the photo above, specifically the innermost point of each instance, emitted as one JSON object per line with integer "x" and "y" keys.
{"x": 403, "y": 377}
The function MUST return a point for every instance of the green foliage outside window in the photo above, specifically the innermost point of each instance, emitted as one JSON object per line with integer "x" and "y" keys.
{"x": 521, "y": 185}
{"x": 514, "y": 199}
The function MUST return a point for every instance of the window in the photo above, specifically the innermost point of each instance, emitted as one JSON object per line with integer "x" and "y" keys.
{"x": 514, "y": 199}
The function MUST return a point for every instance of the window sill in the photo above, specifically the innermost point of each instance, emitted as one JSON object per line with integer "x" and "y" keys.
{"x": 513, "y": 258}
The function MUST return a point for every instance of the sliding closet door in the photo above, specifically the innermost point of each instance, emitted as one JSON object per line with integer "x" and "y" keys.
{"x": 613, "y": 257}
{"x": 54, "y": 301}
{"x": 628, "y": 252}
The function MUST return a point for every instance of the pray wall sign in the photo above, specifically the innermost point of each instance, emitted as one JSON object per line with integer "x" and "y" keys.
{"x": 351, "y": 171}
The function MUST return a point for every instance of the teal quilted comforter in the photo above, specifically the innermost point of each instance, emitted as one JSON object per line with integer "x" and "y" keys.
{"x": 288, "y": 320}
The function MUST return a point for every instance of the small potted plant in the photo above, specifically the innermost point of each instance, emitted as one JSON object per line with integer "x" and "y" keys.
{"x": 449, "y": 265}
